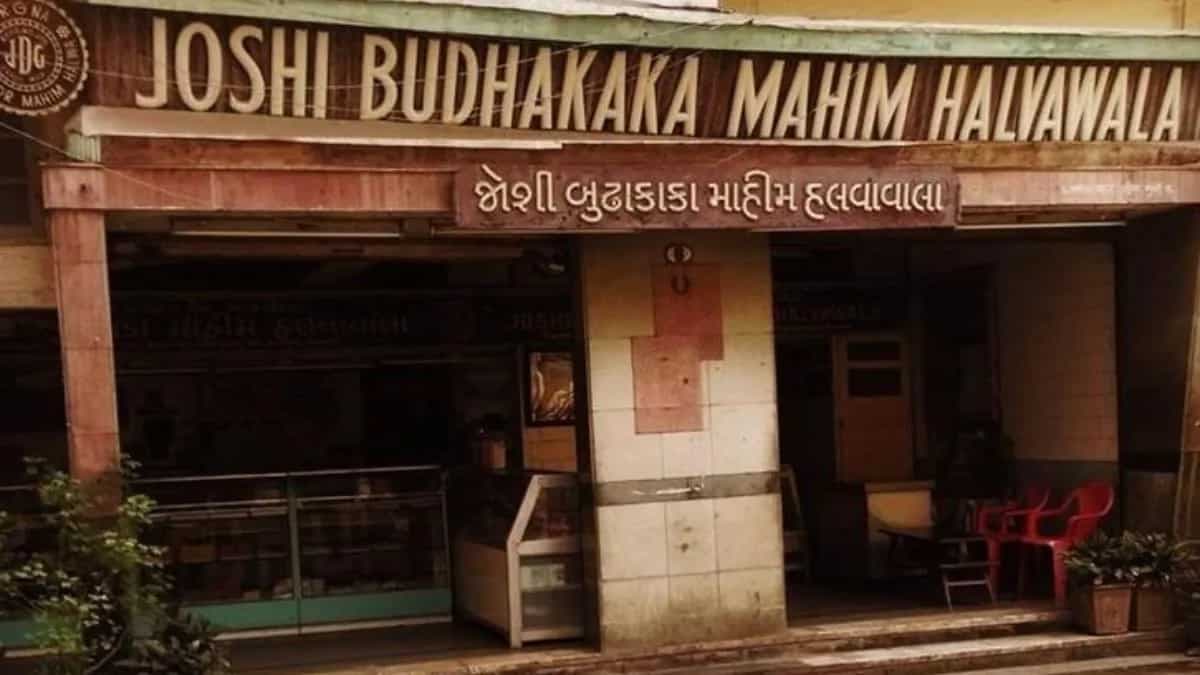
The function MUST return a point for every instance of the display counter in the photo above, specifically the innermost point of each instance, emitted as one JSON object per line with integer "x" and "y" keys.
{"x": 517, "y": 565}
{"x": 294, "y": 551}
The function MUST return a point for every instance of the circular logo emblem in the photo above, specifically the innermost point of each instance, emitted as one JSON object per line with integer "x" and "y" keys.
{"x": 43, "y": 57}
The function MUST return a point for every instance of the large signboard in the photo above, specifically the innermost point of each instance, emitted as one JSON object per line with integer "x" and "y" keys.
{"x": 608, "y": 197}
{"x": 222, "y": 64}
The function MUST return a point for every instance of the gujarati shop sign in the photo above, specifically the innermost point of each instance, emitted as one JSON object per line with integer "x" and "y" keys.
{"x": 229, "y": 65}
{"x": 43, "y": 57}
{"x": 609, "y": 197}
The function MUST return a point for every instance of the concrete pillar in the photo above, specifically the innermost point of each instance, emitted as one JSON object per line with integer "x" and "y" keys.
{"x": 685, "y": 458}
{"x": 85, "y": 331}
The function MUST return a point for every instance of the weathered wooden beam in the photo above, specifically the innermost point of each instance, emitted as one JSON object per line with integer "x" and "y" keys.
{"x": 85, "y": 333}
{"x": 280, "y": 153}
{"x": 696, "y": 30}
{"x": 986, "y": 190}
{"x": 430, "y": 192}
{"x": 26, "y": 277}
{"x": 89, "y": 187}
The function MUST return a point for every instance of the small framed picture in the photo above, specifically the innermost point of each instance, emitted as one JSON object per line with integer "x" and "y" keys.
{"x": 551, "y": 388}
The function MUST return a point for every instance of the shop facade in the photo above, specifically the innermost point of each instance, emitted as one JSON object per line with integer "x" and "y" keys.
{"x": 535, "y": 322}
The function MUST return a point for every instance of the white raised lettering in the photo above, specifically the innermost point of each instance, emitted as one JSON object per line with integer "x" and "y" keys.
{"x": 493, "y": 84}
{"x": 455, "y": 111}
{"x": 297, "y": 72}
{"x": 1114, "y": 121}
{"x": 794, "y": 112}
{"x": 321, "y": 76}
{"x": 1166, "y": 125}
{"x": 1136, "y": 132}
{"x": 977, "y": 120}
{"x": 539, "y": 93}
{"x": 611, "y": 106}
{"x": 645, "y": 94}
{"x": 571, "y": 110}
{"x": 408, "y": 88}
{"x": 947, "y": 104}
{"x": 682, "y": 110}
{"x": 183, "y": 66}
{"x": 831, "y": 105}
{"x": 376, "y": 71}
{"x": 757, "y": 104}
{"x": 157, "y": 97}
{"x": 1085, "y": 92}
{"x": 254, "y": 74}
{"x": 1050, "y": 119}
{"x": 887, "y": 112}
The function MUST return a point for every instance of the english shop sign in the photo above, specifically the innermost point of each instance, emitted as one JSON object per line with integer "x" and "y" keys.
{"x": 219, "y": 65}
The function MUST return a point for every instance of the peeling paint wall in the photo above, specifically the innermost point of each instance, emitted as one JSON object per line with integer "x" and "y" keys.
{"x": 1132, "y": 14}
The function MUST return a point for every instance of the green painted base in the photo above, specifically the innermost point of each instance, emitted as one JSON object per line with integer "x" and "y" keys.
{"x": 375, "y": 606}
{"x": 16, "y": 633}
{"x": 252, "y": 615}
{"x": 288, "y": 614}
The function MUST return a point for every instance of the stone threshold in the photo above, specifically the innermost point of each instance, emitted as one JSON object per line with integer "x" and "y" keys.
{"x": 834, "y": 636}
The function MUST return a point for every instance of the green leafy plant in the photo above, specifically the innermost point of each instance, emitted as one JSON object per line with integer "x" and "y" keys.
{"x": 181, "y": 643}
{"x": 1102, "y": 559}
{"x": 92, "y": 591}
{"x": 1157, "y": 558}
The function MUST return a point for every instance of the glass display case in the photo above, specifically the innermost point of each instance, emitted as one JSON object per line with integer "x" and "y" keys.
{"x": 294, "y": 550}
{"x": 517, "y": 563}
{"x": 29, "y": 533}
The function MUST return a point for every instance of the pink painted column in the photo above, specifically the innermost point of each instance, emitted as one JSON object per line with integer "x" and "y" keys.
{"x": 85, "y": 332}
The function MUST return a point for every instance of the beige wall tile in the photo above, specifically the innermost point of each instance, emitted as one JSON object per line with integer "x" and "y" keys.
{"x": 693, "y": 594}
{"x": 632, "y": 540}
{"x": 746, "y": 296}
{"x": 745, "y": 438}
{"x": 749, "y": 532}
{"x": 620, "y": 454}
{"x": 751, "y": 590}
{"x": 690, "y": 537}
{"x": 634, "y": 612}
{"x": 688, "y": 453}
{"x": 746, "y": 374}
{"x": 616, "y": 288}
{"x": 610, "y": 374}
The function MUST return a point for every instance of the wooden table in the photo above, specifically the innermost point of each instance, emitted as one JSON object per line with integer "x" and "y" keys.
{"x": 947, "y": 555}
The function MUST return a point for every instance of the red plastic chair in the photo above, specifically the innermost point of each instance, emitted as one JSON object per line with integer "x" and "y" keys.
{"x": 1083, "y": 510}
{"x": 1006, "y": 523}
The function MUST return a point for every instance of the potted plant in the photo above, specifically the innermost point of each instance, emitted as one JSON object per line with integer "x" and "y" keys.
{"x": 1101, "y": 572}
{"x": 1157, "y": 561}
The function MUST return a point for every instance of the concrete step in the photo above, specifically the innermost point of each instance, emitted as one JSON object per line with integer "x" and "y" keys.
{"x": 1155, "y": 663}
{"x": 900, "y": 629}
{"x": 909, "y": 630}
{"x": 1057, "y": 647}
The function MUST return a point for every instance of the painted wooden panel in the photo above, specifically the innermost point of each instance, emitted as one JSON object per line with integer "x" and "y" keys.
{"x": 1143, "y": 14}
{"x": 691, "y": 30}
{"x": 666, "y": 384}
{"x": 26, "y": 277}
{"x": 696, "y": 311}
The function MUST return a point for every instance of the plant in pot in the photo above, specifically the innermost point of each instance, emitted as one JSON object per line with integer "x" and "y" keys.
{"x": 98, "y": 595}
{"x": 1157, "y": 561}
{"x": 1101, "y": 571}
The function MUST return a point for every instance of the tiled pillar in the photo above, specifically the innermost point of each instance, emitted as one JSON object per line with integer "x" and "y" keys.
{"x": 681, "y": 381}
{"x": 85, "y": 331}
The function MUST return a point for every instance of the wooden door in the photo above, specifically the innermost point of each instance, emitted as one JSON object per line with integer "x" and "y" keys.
{"x": 873, "y": 407}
